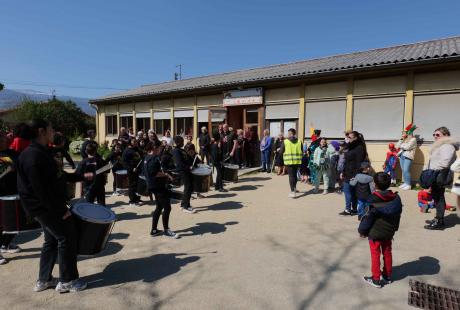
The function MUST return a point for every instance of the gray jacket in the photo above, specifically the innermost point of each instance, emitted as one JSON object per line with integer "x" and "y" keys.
{"x": 363, "y": 179}
{"x": 443, "y": 153}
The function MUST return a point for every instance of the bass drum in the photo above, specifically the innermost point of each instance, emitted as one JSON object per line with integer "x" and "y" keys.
{"x": 13, "y": 219}
{"x": 201, "y": 179}
{"x": 121, "y": 179}
{"x": 230, "y": 173}
{"x": 94, "y": 225}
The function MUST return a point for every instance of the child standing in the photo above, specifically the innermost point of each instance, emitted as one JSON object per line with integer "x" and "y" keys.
{"x": 379, "y": 224}
{"x": 364, "y": 187}
{"x": 304, "y": 171}
{"x": 321, "y": 162}
{"x": 391, "y": 162}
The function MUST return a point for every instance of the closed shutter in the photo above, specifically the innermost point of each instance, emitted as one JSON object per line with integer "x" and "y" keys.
{"x": 183, "y": 113}
{"x": 203, "y": 116}
{"x": 282, "y": 111}
{"x": 328, "y": 115}
{"x": 161, "y": 115}
{"x": 434, "y": 111}
{"x": 126, "y": 114}
{"x": 142, "y": 114}
{"x": 379, "y": 118}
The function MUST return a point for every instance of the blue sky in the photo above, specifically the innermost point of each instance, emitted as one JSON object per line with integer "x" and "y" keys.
{"x": 124, "y": 44}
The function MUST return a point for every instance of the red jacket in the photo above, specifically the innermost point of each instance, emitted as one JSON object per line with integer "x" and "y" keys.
{"x": 19, "y": 144}
{"x": 424, "y": 197}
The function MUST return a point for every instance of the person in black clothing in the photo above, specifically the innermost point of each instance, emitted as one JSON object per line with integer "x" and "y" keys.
{"x": 124, "y": 137}
{"x": 205, "y": 144}
{"x": 157, "y": 183}
{"x": 131, "y": 159}
{"x": 90, "y": 140}
{"x": 217, "y": 157}
{"x": 94, "y": 189}
{"x": 60, "y": 150}
{"x": 184, "y": 166}
{"x": 115, "y": 160}
{"x": 43, "y": 197}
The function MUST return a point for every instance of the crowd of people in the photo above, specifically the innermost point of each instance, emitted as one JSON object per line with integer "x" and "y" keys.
{"x": 33, "y": 166}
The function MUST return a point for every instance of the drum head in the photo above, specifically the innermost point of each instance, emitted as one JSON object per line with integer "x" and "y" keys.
{"x": 93, "y": 213}
{"x": 122, "y": 172}
{"x": 10, "y": 197}
{"x": 201, "y": 171}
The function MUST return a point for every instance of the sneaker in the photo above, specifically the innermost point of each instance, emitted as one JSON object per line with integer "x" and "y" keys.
{"x": 223, "y": 190}
{"x": 345, "y": 212}
{"x": 189, "y": 210}
{"x": 44, "y": 285}
{"x": 402, "y": 185}
{"x": 386, "y": 280}
{"x": 135, "y": 203}
{"x": 325, "y": 192}
{"x": 170, "y": 233}
{"x": 406, "y": 187}
{"x": 72, "y": 286}
{"x": 115, "y": 194}
{"x": 3, "y": 261}
{"x": 155, "y": 232}
{"x": 315, "y": 191}
{"x": 372, "y": 282}
{"x": 12, "y": 248}
{"x": 436, "y": 224}
{"x": 292, "y": 195}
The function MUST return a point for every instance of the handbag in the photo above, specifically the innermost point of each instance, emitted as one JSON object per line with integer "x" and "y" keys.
{"x": 445, "y": 177}
{"x": 428, "y": 177}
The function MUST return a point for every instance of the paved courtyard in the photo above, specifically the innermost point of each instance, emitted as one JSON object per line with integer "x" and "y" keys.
{"x": 250, "y": 248}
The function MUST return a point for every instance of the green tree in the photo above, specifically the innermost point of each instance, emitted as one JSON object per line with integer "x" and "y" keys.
{"x": 65, "y": 116}
{"x": 2, "y": 86}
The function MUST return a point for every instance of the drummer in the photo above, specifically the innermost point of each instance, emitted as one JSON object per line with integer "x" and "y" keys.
{"x": 43, "y": 198}
{"x": 217, "y": 157}
{"x": 8, "y": 186}
{"x": 184, "y": 166}
{"x": 115, "y": 160}
{"x": 157, "y": 184}
{"x": 131, "y": 158}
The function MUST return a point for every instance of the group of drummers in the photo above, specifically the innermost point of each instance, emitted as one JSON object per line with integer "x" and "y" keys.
{"x": 37, "y": 178}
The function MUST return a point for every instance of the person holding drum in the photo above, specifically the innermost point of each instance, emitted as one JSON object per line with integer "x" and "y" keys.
{"x": 217, "y": 159}
{"x": 131, "y": 158}
{"x": 43, "y": 198}
{"x": 184, "y": 166}
{"x": 157, "y": 183}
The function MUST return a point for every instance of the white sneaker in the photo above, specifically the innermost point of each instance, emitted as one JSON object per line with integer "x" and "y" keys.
{"x": 406, "y": 187}
{"x": 72, "y": 286}
{"x": 3, "y": 261}
{"x": 402, "y": 185}
{"x": 44, "y": 285}
{"x": 292, "y": 195}
{"x": 189, "y": 210}
{"x": 325, "y": 192}
{"x": 11, "y": 249}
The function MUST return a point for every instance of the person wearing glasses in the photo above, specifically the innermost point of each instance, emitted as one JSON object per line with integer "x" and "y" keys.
{"x": 407, "y": 146}
{"x": 442, "y": 156}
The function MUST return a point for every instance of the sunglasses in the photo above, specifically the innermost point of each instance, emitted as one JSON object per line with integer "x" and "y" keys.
{"x": 436, "y": 135}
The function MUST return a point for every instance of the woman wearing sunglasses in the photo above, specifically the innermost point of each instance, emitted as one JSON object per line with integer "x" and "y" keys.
{"x": 442, "y": 155}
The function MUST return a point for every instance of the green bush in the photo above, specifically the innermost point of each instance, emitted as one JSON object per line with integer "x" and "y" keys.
{"x": 75, "y": 146}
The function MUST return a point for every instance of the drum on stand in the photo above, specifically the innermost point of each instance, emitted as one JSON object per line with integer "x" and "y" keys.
{"x": 121, "y": 180}
{"x": 201, "y": 178}
{"x": 94, "y": 225}
{"x": 230, "y": 173}
{"x": 13, "y": 219}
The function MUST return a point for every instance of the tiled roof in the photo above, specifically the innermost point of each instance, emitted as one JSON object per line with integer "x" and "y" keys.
{"x": 410, "y": 53}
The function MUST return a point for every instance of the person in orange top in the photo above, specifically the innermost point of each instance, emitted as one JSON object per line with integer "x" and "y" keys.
{"x": 22, "y": 137}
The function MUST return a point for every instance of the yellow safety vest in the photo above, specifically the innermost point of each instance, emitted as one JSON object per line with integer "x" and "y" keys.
{"x": 292, "y": 152}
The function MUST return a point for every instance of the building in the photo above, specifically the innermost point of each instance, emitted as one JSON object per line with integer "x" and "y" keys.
{"x": 376, "y": 92}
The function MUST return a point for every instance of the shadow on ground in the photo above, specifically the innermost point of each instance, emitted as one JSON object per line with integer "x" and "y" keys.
{"x": 424, "y": 266}
{"x": 221, "y": 206}
{"x": 127, "y": 216}
{"x": 27, "y": 237}
{"x": 205, "y": 228}
{"x": 253, "y": 179}
{"x": 147, "y": 269}
{"x": 222, "y": 195}
{"x": 451, "y": 220}
{"x": 110, "y": 249}
{"x": 245, "y": 188}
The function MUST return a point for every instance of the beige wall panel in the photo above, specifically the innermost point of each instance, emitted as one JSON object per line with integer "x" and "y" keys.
{"x": 326, "y": 90}
{"x": 161, "y": 104}
{"x": 143, "y": 106}
{"x": 126, "y": 107}
{"x": 204, "y": 101}
{"x": 110, "y": 109}
{"x": 281, "y": 94}
{"x": 385, "y": 85}
{"x": 100, "y": 131}
{"x": 184, "y": 102}
{"x": 437, "y": 81}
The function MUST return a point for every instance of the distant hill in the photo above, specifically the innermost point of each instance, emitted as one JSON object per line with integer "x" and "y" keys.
{"x": 9, "y": 98}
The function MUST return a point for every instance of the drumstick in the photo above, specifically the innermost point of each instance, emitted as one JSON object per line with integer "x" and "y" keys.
{"x": 8, "y": 169}
{"x": 194, "y": 160}
{"x": 104, "y": 168}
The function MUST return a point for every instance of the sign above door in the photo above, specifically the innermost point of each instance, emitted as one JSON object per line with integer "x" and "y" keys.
{"x": 248, "y": 96}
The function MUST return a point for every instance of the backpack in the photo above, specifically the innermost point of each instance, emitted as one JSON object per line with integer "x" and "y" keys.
{"x": 428, "y": 178}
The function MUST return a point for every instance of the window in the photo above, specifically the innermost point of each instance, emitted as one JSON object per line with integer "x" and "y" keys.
{"x": 143, "y": 124}
{"x": 126, "y": 121}
{"x": 327, "y": 115}
{"x": 252, "y": 116}
{"x": 183, "y": 126}
{"x": 111, "y": 127}
{"x": 161, "y": 126}
{"x": 281, "y": 126}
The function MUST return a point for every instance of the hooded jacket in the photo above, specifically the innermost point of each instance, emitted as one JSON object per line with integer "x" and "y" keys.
{"x": 353, "y": 159}
{"x": 443, "y": 153}
{"x": 381, "y": 220}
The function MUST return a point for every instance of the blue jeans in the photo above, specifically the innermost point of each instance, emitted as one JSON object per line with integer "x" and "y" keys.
{"x": 349, "y": 191}
{"x": 406, "y": 164}
{"x": 362, "y": 204}
{"x": 265, "y": 160}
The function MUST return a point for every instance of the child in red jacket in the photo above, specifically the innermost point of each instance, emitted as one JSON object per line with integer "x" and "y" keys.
{"x": 391, "y": 162}
{"x": 425, "y": 201}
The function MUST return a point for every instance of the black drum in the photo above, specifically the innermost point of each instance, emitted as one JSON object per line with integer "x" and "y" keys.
{"x": 230, "y": 173}
{"x": 201, "y": 178}
{"x": 71, "y": 190}
{"x": 177, "y": 180}
{"x": 94, "y": 225}
{"x": 13, "y": 219}
{"x": 142, "y": 186}
{"x": 121, "y": 179}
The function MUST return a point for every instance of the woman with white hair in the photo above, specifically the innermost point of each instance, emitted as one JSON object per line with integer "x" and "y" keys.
{"x": 204, "y": 142}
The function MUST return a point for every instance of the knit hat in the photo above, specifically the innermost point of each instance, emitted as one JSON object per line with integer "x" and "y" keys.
{"x": 410, "y": 128}
{"x": 335, "y": 144}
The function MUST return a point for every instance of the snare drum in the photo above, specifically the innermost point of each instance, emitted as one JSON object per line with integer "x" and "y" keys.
{"x": 201, "y": 178}
{"x": 121, "y": 179}
{"x": 230, "y": 173}
{"x": 13, "y": 219}
{"x": 94, "y": 225}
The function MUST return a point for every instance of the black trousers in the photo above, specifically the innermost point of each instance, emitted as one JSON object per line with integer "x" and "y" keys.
{"x": 5, "y": 240}
{"x": 292, "y": 172}
{"x": 133, "y": 178}
{"x": 205, "y": 155}
{"x": 163, "y": 204}
{"x": 439, "y": 200}
{"x": 61, "y": 244}
{"x": 219, "y": 174}
{"x": 95, "y": 193}
{"x": 188, "y": 189}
